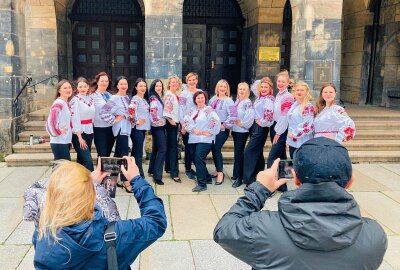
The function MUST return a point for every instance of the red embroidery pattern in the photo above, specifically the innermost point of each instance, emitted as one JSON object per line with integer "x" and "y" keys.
{"x": 268, "y": 115}
{"x": 153, "y": 113}
{"x": 349, "y": 133}
{"x": 308, "y": 110}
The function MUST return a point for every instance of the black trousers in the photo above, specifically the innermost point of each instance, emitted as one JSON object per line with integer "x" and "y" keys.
{"x": 158, "y": 152}
{"x": 239, "y": 142}
{"x": 216, "y": 149}
{"x": 278, "y": 150}
{"x": 60, "y": 151}
{"x": 199, "y": 153}
{"x": 291, "y": 151}
{"x": 171, "y": 158}
{"x": 188, "y": 152}
{"x": 253, "y": 154}
{"x": 84, "y": 156}
{"x": 121, "y": 149}
{"x": 137, "y": 137}
{"x": 103, "y": 140}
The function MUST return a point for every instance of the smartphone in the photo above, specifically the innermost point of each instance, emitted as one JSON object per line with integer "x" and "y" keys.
{"x": 112, "y": 164}
{"x": 285, "y": 169}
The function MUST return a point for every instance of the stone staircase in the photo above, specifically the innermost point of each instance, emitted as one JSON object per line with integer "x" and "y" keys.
{"x": 377, "y": 139}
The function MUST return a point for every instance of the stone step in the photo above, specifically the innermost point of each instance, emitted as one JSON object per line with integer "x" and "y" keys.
{"x": 44, "y": 159}
{"x": 24, "y": 136}
{"x": 21, "y": 147}
{"x": 35, "y": 126}
{"x": 40, "y": 115}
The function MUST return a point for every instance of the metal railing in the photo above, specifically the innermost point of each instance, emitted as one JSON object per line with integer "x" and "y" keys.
{"x": 27, "y": 85}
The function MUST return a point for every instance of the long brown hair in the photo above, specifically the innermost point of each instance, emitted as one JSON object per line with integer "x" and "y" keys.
{"x": 93, "y": 84}
{"x": 321, "y": 103}
{"x": 81, "y": 79}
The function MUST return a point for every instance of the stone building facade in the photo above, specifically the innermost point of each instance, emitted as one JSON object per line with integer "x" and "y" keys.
{"x": 242, "y": 40}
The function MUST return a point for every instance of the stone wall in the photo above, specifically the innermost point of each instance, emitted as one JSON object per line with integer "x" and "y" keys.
{"x": 356, "y": 45}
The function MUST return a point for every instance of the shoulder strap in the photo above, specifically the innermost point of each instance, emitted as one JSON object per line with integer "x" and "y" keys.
{"x": 110, "y": 238}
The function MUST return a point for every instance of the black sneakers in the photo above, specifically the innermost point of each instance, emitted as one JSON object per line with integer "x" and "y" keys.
{"x": 199, "y": 189}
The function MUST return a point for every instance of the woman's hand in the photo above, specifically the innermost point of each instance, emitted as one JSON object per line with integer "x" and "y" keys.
{"x": 258, "y": 122}
{"x": 97, "y": 175}
{"x": 222, "y": 127}
{"x": 290, "y": 135}
{"x": 160, "y": 123}
{"x": 141, "y": 122}
{"x": 64, "y": 130}
{"x": 269, "y": 177}
{"x": 132, "y": 169}
{"x": 197, "y": 131}
{"x": 119, "y": 118}
{"x": 183, "y": 130}
{"x": 238, "y": 123}
{"x": 82, "y": 142}
{"x": 276, "y": 138}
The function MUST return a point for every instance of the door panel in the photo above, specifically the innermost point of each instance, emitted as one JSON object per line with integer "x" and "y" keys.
{"x": 193, "y": 51}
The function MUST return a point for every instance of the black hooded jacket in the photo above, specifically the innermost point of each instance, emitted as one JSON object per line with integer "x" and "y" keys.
{"x": 317, "y": 226}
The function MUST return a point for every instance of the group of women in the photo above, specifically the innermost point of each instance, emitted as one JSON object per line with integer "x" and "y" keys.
{"x": 205, "y": 124}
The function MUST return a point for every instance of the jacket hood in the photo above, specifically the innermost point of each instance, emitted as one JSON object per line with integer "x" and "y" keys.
{"x": 321, "y": 217}
{"x": 78, "y": 243}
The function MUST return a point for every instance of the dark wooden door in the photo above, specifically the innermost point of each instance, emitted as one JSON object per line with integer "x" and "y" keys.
{"x": 194, "y": 51}
{"x": 116, "y": 48}
{"x": 224, "y": 57}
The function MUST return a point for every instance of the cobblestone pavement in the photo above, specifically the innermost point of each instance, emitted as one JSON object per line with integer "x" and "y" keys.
{"x": 187, "y": 243}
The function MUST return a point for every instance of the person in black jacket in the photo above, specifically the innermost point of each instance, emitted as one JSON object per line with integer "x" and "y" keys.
{"x": 317, "y": 226}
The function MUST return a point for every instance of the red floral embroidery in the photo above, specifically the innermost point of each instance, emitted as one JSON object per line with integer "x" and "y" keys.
{"x": 268, "y": 115}
{"x": 153, "y": 113}
{"x": 308, "y": 110}
{"x": 349, "y": 133}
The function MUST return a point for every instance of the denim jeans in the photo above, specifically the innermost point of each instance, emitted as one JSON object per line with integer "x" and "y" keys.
{"x": 199, "y": 153}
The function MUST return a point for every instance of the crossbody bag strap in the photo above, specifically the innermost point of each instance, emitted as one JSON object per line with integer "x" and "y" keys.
{"x": 110, "y": 237}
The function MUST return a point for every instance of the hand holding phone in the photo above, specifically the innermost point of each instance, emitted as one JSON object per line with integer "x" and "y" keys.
{"x": 131, "y": 170}
{"x": 269, "y": 177}
{"x": 112, "y": 164}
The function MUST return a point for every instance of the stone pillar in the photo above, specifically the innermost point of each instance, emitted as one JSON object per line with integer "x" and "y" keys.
{"x": 316, "y": 42}
{"x": 163, "y": 39}
{"x": 12, "y": 72}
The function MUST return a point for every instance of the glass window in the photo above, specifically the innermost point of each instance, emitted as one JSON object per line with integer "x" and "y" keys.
{"x": 133, "y": 32}
{"x": 119, "y": 45}
{"x": 95, "y": 31}
{"x": 120, "y": 59}
{"x": 220, "y": 34}
{"x": 219, "y": 60}
{"x": 220, "y": 47}
{"x": 232, "y": 60}
{"x": 196, "y": 60}
{"x": 82, "y": 58}
{"x": 96, "y": 58}
{"x": 133, "y": 45}
{"x": 133, "y": 59}
{"x": 81, "y": 44}
{"x": 196, "y": 47}
{"x": 232, "y": 47}
{"x": 119, "y": 31}
{"x": 95, "y": 44}
{"x": 233, "y": 34}
{"x": 81, "y": 30}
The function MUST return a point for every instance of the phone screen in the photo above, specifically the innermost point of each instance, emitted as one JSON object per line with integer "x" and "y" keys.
{"x": 112, "y": 165}
{"x": 285, "y": 169}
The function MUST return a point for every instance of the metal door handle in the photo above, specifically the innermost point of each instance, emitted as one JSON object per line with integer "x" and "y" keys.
{"x": 212, "y": 64}
{"x": 113, "y": 63}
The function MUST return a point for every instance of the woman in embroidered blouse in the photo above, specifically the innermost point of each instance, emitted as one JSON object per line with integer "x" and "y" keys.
{"x": 254, "y": 161}
{"x": 331, "y": 120}
{"x": 115, "y": 112}
{"x": 102, "y": 131}
{"x": 187, "y": 107}
{"x": 159, "y": 145}
{"x": 242, "y": 118}
{"x": 300, "y": 117}
{"x": 221, "y": 103}
{"x": 59, "y": 122}
{"x": 202, "y": 125}
{"x": 171, "y": 114}
{"x": 139, "y": 116}
{"x": 82, "y": 113}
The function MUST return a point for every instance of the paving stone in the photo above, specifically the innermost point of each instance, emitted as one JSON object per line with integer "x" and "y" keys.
{"x": 122, "y": 205}
{"x": 392, "y": 256}
{"x": 12, "y": 255}
{"x": 22, "y": 234}
{"x": 136, "y": 264}
{"x": 133, "y": 210}
{"x": 168, "y": 232}
{"x": 6, "y": 171}
{"x": 395, "y": 195}
{"x": 365, "y": 183}
{"x": 385, "y": 266}
{"x": 27, "y": 262}
{"x": 171, "y": 187}
{"x": 374, "y": 202}
{"x": 388, "y": 178}
{"x": 10, "y": 216}
{"x": 208, "y": 255}
{"x": 19, "y": 180}
{"x": 223, "y": 203}
{"x": 392, "y": 167}
{"x": 193, "y": 216}
{"x": 364, "y": 213}
{"x": 167, "y": 255}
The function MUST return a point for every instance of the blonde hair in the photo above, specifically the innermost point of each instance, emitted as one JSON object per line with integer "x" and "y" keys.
{"x": 191, "y": 74}
{"x": 70, "y": 198}
{"x": 321, "y": 103}
{"x": 176, "y": 78}
{"x": 219, "y": 83}
{"x": 308, "y": 96}
{"x": 246, "y": 85}
{"x": 269, "y": 82}
{"x": 283, "y": 73}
